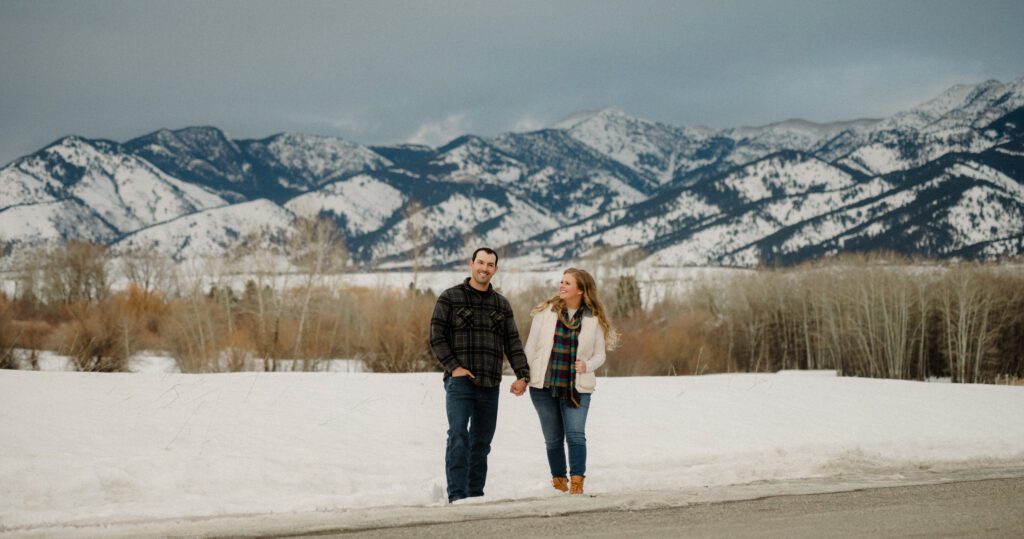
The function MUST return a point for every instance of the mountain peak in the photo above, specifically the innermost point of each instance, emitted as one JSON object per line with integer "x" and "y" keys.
{"x": 73, "y": 145}
{"x": 798, "y": 127}
{"x": 201, "y": 130}
{"x": 604, "y": 115}
{"x": 963, "y": 104}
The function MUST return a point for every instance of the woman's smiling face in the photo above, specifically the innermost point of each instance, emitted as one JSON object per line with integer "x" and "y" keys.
{"x": 569, "y": 290}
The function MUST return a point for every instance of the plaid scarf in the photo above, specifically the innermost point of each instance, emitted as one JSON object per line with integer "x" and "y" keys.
{"x": 563, "y": 359}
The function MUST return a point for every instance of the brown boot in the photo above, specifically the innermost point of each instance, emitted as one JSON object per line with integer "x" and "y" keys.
{"x": 560, "y": 483}
{"x": 576, "y": 485}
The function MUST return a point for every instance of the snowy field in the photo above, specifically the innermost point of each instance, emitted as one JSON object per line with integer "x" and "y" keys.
{"x": 139, "y": 454}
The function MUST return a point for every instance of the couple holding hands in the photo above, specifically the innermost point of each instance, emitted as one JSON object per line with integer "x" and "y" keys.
{"x": 472, "y": 329}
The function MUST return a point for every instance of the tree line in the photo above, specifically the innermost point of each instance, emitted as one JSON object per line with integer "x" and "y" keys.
{"x": 858, "y": 315}
{"x": 867, "y": 316}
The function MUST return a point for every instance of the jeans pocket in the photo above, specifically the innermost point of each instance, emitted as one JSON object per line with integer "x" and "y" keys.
{"x": 460, "y": 382}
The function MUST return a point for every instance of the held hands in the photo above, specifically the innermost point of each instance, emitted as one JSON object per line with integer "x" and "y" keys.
{"x": 518, "y": 387}
{"x": 581, "y": 366}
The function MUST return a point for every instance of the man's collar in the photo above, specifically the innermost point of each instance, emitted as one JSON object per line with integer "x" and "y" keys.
{"x": 490, "y": 287}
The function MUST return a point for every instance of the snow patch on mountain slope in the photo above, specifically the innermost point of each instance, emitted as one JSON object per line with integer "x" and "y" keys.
{"x": 824, "y": 223}
{"x": 977, "y": 171}
{"x": 782, "y": 177}
{"x": 476, "y": 161}
{"x": 584, "y": 228}
{"x": 732, "y": 240}
{"x": 520, "y": 220}
{"x": 214, "y": 232}
{"x": 323, "y": 157}
{"x": 795, "y": 134}
{"x": 443, "y": 230}
{"x": 982, "y": 214}
{"x": 686, "y": 209}
{"x": 56, "y": 221}
{"x": 19, "y": 186}
{"x": 713, "y": 243}
{"x": 793, "y": 210}
{"x": 364, "y": 201}
{"x": 450, "y": 220}
{"x": 623, "y": 193}
{"x": 875, "y": 158}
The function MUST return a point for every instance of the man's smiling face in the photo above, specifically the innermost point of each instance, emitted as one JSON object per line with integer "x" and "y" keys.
{"x": 482, "y": 268}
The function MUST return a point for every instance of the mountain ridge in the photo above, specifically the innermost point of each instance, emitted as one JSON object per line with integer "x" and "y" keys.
{"x": 595, "y": 182}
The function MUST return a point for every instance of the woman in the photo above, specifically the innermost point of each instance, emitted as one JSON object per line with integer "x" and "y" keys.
{"x": 567, "y": 343}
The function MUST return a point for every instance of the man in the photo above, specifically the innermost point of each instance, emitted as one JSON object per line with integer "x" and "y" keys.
{"x": 472, "y": 327}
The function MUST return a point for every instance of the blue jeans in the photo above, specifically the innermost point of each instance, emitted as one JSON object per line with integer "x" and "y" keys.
{"x": 472, "y": 416}
{"x": 563, "y": 425}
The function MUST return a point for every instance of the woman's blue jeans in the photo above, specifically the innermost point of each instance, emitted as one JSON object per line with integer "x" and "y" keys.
{"x": 563, "y": 425}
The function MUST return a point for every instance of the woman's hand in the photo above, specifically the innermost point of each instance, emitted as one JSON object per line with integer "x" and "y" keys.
{"x": 581, "y": 366}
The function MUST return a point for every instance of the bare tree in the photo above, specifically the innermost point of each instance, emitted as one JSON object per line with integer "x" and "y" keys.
{"x": 146, "y": 268}
{"x": 626, "y": 299}
{"x": 970, "y": 327}
{"x": 418, "y": 235}
{"x": 317, "y": 247}
{"x": 76, "y": 272}
{"x": 28, "y": 286}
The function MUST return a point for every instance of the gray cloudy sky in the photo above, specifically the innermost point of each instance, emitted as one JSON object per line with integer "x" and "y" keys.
{"x": 426, "y": 71}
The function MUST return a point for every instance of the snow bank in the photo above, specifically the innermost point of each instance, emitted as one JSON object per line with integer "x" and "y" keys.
{"x": 80, "y": 448}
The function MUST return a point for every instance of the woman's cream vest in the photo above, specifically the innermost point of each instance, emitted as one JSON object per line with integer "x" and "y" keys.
{"x": 542, "y": 340}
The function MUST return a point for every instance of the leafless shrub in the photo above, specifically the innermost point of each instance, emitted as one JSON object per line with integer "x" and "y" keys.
{"x": 666, "y": 340}
{"x": 8, "y": 335}
{"x": 98, "y": 338}
{"x": 397, "y": 339}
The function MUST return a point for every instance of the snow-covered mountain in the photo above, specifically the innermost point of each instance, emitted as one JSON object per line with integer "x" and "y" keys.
{"x": 956, "y": 121}
{"x": 362, "y": 204}
{"x": 201, "y": 155}
{"x": 940, "y": 179}
{"x": 278, "y": 167}
{"x": 93, "y": 190}
{"x": 657, "y": 151}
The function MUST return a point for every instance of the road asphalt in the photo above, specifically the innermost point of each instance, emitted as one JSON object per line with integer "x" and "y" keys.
{"x": 981, "y": 508}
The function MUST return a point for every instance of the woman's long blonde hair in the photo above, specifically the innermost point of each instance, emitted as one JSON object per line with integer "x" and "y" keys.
{"x": 588, "y": 285}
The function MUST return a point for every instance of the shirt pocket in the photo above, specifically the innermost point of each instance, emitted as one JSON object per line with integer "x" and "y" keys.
{"x": 463, "y": 318}
{"x": 497, "y": 320}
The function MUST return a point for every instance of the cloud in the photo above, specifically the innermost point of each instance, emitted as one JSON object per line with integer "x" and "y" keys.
{"x": 528, "y": 123}
{"x": 439, "y": 132}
